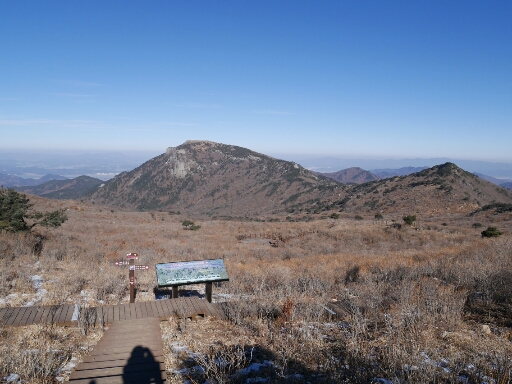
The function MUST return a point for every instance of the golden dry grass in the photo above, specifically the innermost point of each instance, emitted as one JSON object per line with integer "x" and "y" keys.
{"x": 418, "y": 297}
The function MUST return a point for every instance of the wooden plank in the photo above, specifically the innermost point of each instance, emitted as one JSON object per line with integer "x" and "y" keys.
{"x": 63, "y": 314}
{"x": 133, "y": 314}
{"x": 152, "y": 367}
{"x": 124, "y": 347}
{"x": 166, "y": 307}
{"x": 149, "y": 309}
{"x": 11, "y": 312}
{"x": 39, "y": 315}
{"x": 100, "y": 316}
{"x": 16, "y": 316}
{"x": 160, "y": 309}
{"x": 26, "y": 315}
{"x": 177, "y": 307}
{"x": 2, "y": 313}
{"x": 122, "y": 312}
{"x": 138, "y": 311}
{"x": 109, "y": 367}
{"x": 143, "y": 311}
{"x": 124, "y": 355}
{"x": 113, "y": 363}
{"x": 33, "y": 313}
{"x": 154, "y": 310}
{"x": 55, "y": 313}
{"x": 174, "y": 307}
{"x": 135, "y": 334}
{"x": 149, "y": 338}
{"x": 190, "y": 308}
{"x": 116, "y": 313}
{"x": 187, "y": 308}
{"x": 110, "y": 313}
{"x": 215, "y": 311}
{"x": 50, "y": 318}
{"x": 155, "y": 376}
{"x": 198, "y": 305}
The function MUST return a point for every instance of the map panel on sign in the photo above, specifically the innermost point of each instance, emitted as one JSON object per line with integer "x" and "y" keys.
{"x": 191, "y": 272}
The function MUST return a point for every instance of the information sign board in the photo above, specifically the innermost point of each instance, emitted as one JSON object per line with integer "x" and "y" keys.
{"x": 191, "y": 272}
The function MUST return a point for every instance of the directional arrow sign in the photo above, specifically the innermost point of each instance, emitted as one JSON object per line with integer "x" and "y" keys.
{"x": 122, "y": 262}
{"x": 139, "y": 267}
{"x": 132, "y": 256}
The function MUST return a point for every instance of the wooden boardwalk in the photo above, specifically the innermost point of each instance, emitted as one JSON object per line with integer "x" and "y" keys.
{"x": 129, "y": 352}
{"x": 68, "y": 314}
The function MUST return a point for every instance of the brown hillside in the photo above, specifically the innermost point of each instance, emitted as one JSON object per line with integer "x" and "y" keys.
{"x": 445, "y": 192}
{"x": 206, "y": 178}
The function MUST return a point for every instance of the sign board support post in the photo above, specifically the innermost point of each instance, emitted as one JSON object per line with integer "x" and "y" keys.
{"x": 174, "y": 291}
{"x": 209, "y": 292}
{"x": 132, "y": 281}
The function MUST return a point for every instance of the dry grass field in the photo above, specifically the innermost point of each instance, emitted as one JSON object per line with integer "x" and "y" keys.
{"x": 424, "y": 304}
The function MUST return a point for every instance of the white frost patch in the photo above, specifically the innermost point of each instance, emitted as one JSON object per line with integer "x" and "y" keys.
{"x": 76, "y": 313}
{"x": 187, "y": 371}
{"x": 13, "y": 378}
{"x": 380, "y": 380}
{"x": 39, "y": 296}
{"x": 254, "y": 367}
{"x": 176, "y": 348}
{"x": 37, "y": 281}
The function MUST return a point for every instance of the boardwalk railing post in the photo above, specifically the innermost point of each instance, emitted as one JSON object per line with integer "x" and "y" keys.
{"x": 132, "y": 281}
{"x": 174, "y": 291}
{"x": 209, "y": 292}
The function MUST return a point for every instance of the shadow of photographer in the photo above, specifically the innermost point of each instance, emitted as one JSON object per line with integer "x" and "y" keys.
{"x": 142, "y": 368}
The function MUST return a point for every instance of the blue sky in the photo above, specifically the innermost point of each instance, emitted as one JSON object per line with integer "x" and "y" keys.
{"x": 363, "y": 79}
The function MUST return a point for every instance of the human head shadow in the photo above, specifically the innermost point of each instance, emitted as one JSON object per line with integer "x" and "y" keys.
{"x": 143, "y": 368}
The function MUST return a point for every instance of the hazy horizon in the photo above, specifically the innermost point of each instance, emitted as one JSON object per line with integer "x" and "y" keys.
{"x": 104, "y": 164}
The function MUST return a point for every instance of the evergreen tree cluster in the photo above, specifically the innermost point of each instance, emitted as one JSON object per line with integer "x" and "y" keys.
{"x": 15, "y": 208}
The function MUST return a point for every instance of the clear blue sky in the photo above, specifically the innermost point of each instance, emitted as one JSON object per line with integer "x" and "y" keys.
{"x": 334, "y": 78}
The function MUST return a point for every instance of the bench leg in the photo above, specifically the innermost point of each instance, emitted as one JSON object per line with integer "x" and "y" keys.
{"x": 209, "y": 292}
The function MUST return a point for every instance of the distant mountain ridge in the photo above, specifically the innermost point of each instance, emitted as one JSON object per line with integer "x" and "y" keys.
{"x": 390, "y": 172}
{"x": 443, "y": 192}
{"x": 9, "y": 181}
{"x": 64, "y": 189}
{"x": 203, "y": 178}
{"x": 354, "y": 175}
{"x": 328, "y": 164}
{"x": 219, "y": 180}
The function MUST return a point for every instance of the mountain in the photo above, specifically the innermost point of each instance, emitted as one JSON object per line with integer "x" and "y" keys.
{"x": 329, "y": 164}
{"x": 207, "y": 178}
{"x": 493, "y": 179}
{"x": 9, "y": 181}
{"x": 390, "y": 172}
{"x": 508, "y": 185}
{"x": 64, "y": 189}
{"x": 354, "y": 175}
{"x": 441, "y": 191}
{"x": 219, "y": 180}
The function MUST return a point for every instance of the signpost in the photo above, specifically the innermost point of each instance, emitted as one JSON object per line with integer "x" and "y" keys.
{"x": 191, "y": 272}
{"x": 131, "y": 262}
